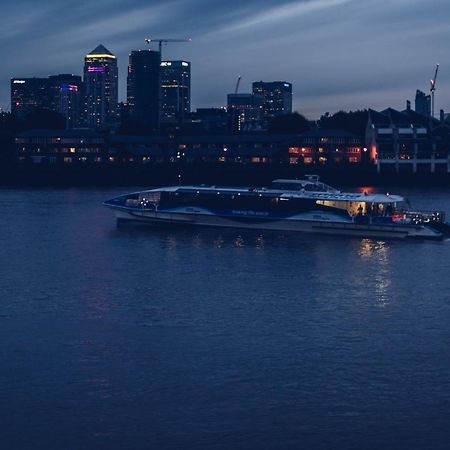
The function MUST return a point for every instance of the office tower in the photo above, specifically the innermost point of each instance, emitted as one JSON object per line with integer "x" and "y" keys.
{"x": 277, "y": 98}
{"x": 143, "y": 87}
{"x": 29, "y": 95}
{"x": 101, "y": 88}
{"x": 67, "y": 98}
{"x": 245, "y": 112}
{"x": 423, "y": 103}
{"x": 175, "y": 91}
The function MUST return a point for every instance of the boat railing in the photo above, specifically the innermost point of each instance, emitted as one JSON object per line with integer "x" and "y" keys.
{"x": 415, "y": 217}
{"x": 372, "y": 219}
{"x": 420, "y": 217}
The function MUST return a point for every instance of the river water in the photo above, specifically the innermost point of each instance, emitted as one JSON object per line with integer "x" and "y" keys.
{"x": 217, "y": 339}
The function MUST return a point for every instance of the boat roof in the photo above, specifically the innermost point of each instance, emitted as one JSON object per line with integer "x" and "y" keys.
{"x": 285, "y": 193}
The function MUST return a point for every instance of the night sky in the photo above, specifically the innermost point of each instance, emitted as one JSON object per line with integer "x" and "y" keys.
{"x": 339, "y": 54}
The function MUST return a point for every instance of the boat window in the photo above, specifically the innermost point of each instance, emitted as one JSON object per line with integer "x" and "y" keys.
{"x": 334, "y": 204}
{"x": 401, "y": 206}
{"x": 152, "y": 197}
{"x": 353, "y": 208}
{"x": 243, "y": 201}
{"x": 132, "y": 202}
{"x": 287, "y": 186}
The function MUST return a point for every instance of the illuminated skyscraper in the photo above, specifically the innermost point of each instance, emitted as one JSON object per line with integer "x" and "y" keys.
{"x": 143, "y": 87}
{"x": 175, "y": 91}
{"x": 245, "y": 112}
{"x": 277, "y": 98}
{"x": 67, "y": 98}
{"x": 29, "y": 95}
{"x": 101, "y": 84}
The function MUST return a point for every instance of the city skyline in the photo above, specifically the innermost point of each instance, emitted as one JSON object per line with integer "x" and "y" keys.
{"x": 338, "y": 54}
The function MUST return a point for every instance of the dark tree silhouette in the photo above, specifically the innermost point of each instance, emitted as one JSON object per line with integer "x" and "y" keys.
{"x": 9, "y": 127}
{"x": 352, "y": 121}
{"x": 44, "y": 119}
{"x": 289, "y": 123}
{"x": 134, "y": 127}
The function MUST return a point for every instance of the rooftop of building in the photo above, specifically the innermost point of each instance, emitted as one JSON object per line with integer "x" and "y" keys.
{"x": 178, "y": 62}
{"x": 100, "y": 51}
{"x": 81, "y": 133}
{"x": 204, "y": 139}
{"x": 323, "y": 133}
{"x": 391, "y": 117}
{"x": 261, "y": 82}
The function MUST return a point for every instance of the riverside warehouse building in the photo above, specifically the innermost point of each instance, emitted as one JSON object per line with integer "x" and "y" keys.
{"x": 83, "y": 147}
{"x": 396, "y": 142}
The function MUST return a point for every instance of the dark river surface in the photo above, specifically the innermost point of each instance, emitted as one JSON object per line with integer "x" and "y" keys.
{"x": 122, "y": 338}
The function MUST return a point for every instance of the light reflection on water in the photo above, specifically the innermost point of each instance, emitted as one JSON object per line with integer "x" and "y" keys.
{"x": 376, "y": 252}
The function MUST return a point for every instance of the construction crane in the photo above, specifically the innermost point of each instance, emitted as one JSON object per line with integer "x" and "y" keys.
{"x": 433, "y": 89}
{"x": 237, "y": 85}
{"x": 165, "y": 41}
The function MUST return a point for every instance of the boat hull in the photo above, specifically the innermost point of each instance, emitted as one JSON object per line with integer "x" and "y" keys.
{"x": 301, "y": 223}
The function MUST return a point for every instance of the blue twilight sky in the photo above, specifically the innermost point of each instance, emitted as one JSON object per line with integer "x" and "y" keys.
{"x": 339, "y": 54}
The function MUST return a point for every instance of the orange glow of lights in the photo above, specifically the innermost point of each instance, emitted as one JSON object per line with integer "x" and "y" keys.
{"x": 368, "y": 189}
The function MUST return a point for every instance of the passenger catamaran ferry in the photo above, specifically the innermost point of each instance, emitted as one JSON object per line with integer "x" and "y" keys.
{"x": 288, "y": 205}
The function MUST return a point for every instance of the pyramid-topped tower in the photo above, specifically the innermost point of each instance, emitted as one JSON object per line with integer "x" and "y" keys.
{"x": 101, "y": 88}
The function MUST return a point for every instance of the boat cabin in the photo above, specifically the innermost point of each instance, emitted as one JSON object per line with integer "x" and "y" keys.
{"x": 366, "y": 205}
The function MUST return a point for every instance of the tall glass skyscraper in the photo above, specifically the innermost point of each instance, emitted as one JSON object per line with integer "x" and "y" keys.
{"x": 143, "y": 87}
{"x": 101, "y": 85}
{"x": 175, "y": 91}
{"x": 277, "y": 98}
{"x": 67, "y": 98}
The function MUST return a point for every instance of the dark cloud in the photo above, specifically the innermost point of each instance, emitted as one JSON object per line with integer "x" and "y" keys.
{"x": 339, "y": 54}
